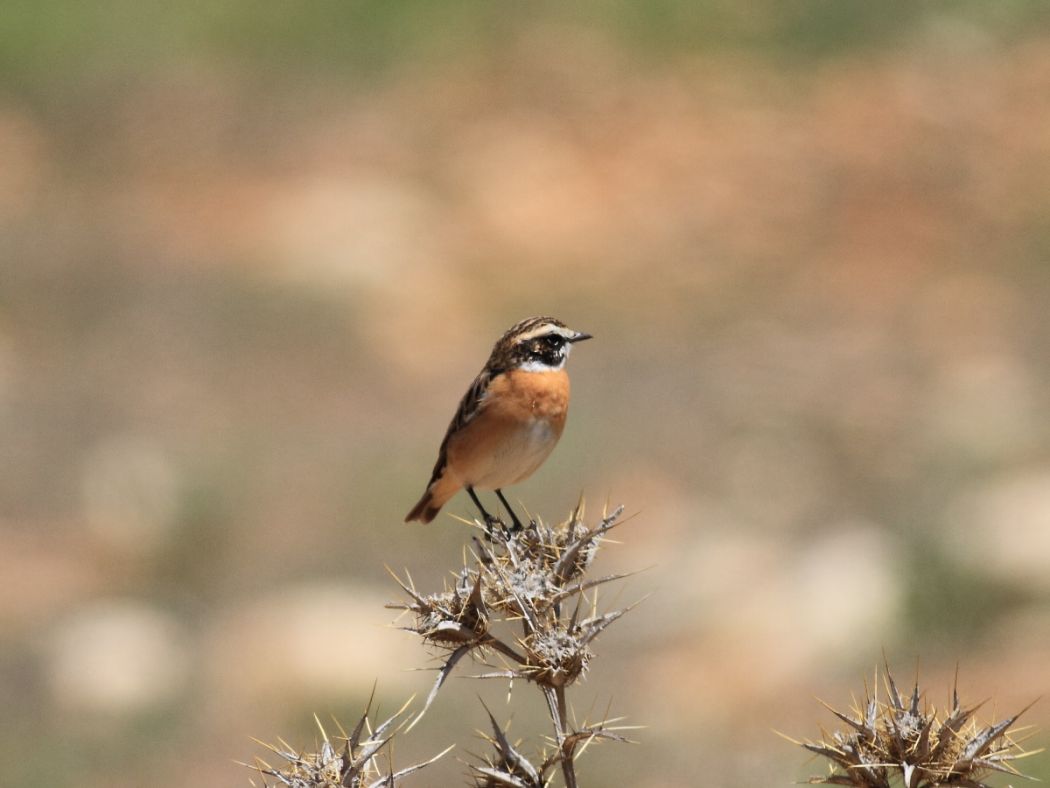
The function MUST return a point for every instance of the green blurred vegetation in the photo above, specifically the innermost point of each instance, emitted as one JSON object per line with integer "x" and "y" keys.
{"x": 950, "y": 607}
{"x": 54, "y": 44}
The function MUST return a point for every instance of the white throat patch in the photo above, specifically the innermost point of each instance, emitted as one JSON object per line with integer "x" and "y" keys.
{"x": 535, "y": 365}
{"x": 539, "y": 366}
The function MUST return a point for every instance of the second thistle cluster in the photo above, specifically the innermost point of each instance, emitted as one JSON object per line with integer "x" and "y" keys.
{"x": 898, "y": 740}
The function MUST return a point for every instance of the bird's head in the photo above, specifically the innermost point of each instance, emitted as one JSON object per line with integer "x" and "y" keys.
{"x": 536, "y": 344}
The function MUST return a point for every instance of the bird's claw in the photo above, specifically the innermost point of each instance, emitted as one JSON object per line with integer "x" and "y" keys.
{"x": 490, "y": 522}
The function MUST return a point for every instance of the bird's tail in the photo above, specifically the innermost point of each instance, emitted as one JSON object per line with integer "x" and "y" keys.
{"x": 442, "y": 486}
{"x": 424, "y": 511}
{"x": 438, "y": 492}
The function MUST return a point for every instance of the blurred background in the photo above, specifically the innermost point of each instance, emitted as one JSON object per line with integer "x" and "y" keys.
{"x": 251, "y": 255}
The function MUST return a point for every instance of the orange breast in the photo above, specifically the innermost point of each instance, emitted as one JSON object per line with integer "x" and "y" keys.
{"x": 524, "y": 396}
{"x": 519, "y": 423}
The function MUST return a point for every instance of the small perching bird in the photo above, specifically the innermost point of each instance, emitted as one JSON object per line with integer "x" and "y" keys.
{"x": 508, "y": 421}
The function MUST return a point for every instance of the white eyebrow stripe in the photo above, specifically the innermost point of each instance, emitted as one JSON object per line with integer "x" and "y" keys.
{"x": 544, "y": 330}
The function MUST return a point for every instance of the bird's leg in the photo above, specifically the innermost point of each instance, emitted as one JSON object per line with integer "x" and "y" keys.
{"x": 514, "y": 517}
{"x": 489, "y": 519}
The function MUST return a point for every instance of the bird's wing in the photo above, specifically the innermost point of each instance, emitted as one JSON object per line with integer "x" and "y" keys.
{"x": 469, "y": 407}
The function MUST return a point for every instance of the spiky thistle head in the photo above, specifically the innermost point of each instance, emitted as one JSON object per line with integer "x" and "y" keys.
{"x": 903, "y": 740}
{"x": 451, "y": 617}
{"x": 525, "y": 595}
{"x": 506, "y": 767}
{"x": 349, "y": 760}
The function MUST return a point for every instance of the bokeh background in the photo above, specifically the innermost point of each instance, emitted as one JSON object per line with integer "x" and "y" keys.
{"x": 251, "y": 254}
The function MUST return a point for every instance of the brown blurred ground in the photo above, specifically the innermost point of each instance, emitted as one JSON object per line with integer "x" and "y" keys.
{"x": 244, "y": 280}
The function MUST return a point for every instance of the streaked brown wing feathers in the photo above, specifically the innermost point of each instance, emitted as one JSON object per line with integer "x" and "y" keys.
{"x": 468, "y": 408}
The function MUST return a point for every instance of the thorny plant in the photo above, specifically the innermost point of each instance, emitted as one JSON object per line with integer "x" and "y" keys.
{"x": 508, "y": 768}
{"x": 904, "y": 741}
{"x": 533, "y": 580}
{"x": 352, "y": 762}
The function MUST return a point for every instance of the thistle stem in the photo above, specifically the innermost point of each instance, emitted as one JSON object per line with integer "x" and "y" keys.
{"x": 557, "y": 706}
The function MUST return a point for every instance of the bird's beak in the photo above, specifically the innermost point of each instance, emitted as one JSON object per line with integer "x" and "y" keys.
{"x": 579, "y": 336}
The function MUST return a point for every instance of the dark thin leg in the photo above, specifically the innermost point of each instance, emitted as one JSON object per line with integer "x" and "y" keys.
{"x": 514, "y": 517}
{"x": 489, "y": 519}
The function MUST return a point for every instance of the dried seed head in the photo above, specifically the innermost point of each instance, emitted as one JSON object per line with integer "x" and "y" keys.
{"x": 506, "y": 767}
{"x": 351, "y": 764}
{"x": 562, "y": 553}
{"x": 556, "y": 657}
{"x": 449, "y": 618}
{"x": 323, "y": 769}
{"x": 906, "y": 739}
{"x": 519, "y": 588}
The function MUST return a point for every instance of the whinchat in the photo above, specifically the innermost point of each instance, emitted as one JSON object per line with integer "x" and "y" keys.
{"x": 509, "y": 420}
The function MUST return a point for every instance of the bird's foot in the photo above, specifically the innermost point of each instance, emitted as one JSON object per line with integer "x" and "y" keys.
{"x": 492, "y": 522}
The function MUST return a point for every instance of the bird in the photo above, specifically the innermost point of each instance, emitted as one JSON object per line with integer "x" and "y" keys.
{"x": 509, "y": 420}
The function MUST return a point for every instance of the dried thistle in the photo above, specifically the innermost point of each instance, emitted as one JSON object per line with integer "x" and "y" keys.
{"x": 905, "y": 741}
{"x": 353, "y": 762}
{"x": 508, "y": 768}
{"x": 525, "y": 596}
{"x": 520, "y": 579}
